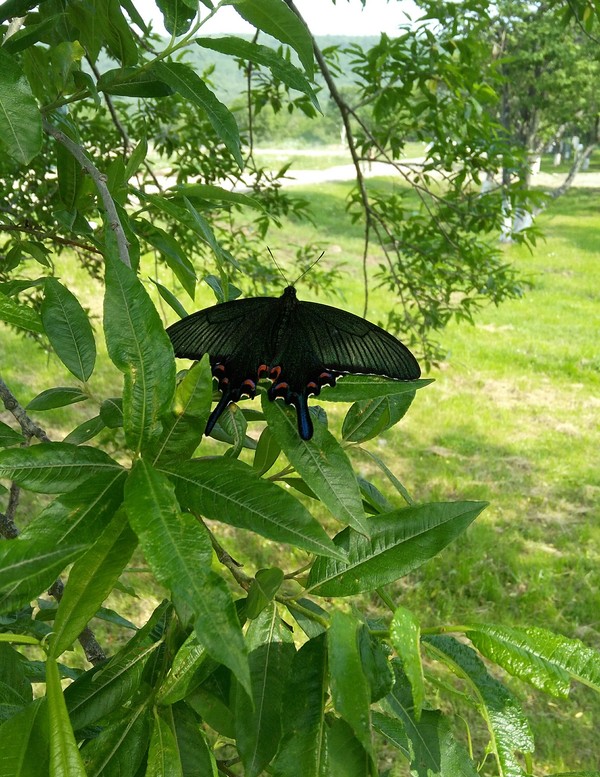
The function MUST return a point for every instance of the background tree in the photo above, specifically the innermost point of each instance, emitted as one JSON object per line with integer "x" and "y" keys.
{"x": 233, "y": 673}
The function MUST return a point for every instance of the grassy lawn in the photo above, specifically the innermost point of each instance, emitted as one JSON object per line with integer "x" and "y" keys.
{"x": 327, "y": 156}
{"x": 511, "y": 418}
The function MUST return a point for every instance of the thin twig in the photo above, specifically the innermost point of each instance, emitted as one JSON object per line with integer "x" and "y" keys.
{"x": 100, "y": 181}
{"x": 29, "y": 428}
{"x": 41, "y": 235}
{"x": 228, "y": 561}
{"x": 111, "y": 109}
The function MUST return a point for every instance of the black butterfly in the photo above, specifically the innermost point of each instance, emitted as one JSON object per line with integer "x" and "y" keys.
{"x": 300, "y": 346}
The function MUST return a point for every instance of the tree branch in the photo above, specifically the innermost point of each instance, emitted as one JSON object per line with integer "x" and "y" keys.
{"x": 47, "y": 236}
{"x": 100, "y": 181}
{"x": 30, "y": 428}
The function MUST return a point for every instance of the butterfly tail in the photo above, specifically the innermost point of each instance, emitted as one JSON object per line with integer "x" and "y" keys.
{"x": 305, "y": 425}
{"x": 214, "y": 416}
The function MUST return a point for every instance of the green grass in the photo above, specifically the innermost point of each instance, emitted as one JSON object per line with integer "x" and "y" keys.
{"x": 511, "y": 418}
{"x": 321, "y": 158}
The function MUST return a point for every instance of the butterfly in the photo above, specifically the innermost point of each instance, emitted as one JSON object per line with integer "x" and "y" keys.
{"x": 299, "y": 346}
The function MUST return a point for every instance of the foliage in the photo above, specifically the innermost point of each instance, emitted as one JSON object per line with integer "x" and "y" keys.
{"x": 232, "y": 673}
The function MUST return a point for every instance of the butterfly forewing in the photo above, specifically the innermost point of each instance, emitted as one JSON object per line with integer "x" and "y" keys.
{"x": 346, "y": 343}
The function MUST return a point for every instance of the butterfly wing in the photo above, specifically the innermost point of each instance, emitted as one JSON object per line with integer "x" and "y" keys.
{"x": 319, "y": 342}
{"x": 237, "y": 336}
{"x": 347, "y": 343}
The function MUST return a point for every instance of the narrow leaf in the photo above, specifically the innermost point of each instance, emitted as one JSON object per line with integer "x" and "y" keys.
{"x": 353, "y": 388}
{"x": 540, "y": 657}
{"x": 276, "y": 19}
{"x": 19, "y": 315}
{"x": 302, "y": 748}
{"x": 61, "y": 396}
{"x": 400, "y": 542}
{"x": 119, "y": 749}
{"x": 28, "y": 567}
{"x": 24, "y": 744}
{"x": 259, "y": 720}
{"x": 139, "y": 347}
{"x": 65, "y": 758}
{"x": 350, "y": 690}
{"x": 184, "y": 427}
{"x": 54, "y": 467}
{"x": 20, "y": 118}
{"x": 91, "y": 580}
{"x": 179, "y": 551}
{"x": 85, "y": 431}
{"x": 184, "y": 80}
{"x": 8, "y": 436}
{"x": 321, "y": 462}
{"x": 507, "y": 725}
{"x": 405, "y": 636}
{"x": 163, "y": 755}
{"x": 229, "y": 491}
{"x": 68, "y": 329}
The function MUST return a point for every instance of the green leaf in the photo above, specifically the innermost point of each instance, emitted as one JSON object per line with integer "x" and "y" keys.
{"x": 211, "y": 193}
{"x": 432, "y": 749}
{"x": 170, "y": 298}
{"x": 508, "y": 727}
{"x": 371, "y": 417}
{"x": 139, "y": 346}
{"x": 179, "y": 551}
{"x": 321, "y": 462}
{"x": 281, "y": 68}
{"x": 543, "y": 659}
{"x": 184, "y": 427}
{"x": 302, "y": 748}
{"x": 54, "y": 467}
{"x": 24, "y": 745}
{"x": 132, "y": 82}
{"x": 392, "y": 729}
{"x": 262, "y": 590}
{"x": 405, "y": 636}
{"x": 65, "y": 758}
{"x": 213, "y": 702}
{"x": 177, "y": 16}
{"x": 350, "y": 690}
{"x": 85, "y": 431}
{"x": 20, "y": 118}
{"x": 111, "y": 412}
{"x": 346, "y": 757}
{"x": 103, "y": 689}
{"x": 119, "y": 748}
{"x": 276, "y": 19}
{"x": 259, "y": 720}
{"x": 136, "y": 158}
{"x": 228, "y": 490}
{"x": 191, "y": 665}
{"x": 184, "y": 80}
{"x": 163, "y": 755}
{"x": 354, "y": 388}
{"x": 19, "y": 315}
{"x": 28, "y": 567}
{"x": 375, "y": 663}
{"x": 61, "y": 396}
{"x": 9, "y": 437}
{"x": 195, "y": 752}
{"x": 91, "y": 580}
{"x": 68, "y": 329}
{"x": 80, "y": 516}
{"x": 267, "y": 452}
{"x": 175, "y": 257}
{"x": 400, "y": 542}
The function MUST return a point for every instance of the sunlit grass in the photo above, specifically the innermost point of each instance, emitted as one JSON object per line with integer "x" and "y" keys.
{"x": 511, "y": 418}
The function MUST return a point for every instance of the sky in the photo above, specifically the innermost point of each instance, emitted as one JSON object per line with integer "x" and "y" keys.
{"x": 346, "y": 17}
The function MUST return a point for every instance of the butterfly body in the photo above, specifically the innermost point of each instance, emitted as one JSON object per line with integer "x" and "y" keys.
{"x": 299, "y": 346}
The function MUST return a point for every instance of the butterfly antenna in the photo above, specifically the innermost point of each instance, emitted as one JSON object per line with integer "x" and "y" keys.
{"x": 309, "y": 268}
{"x": 287, "y": 283}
